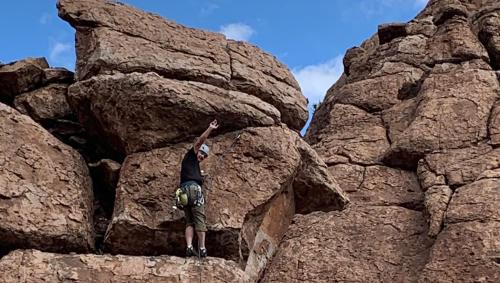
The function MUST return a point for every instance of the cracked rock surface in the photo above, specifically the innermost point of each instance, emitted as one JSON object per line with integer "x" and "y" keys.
{"x": 144, "y": 88}
{"x": 36, "y": 266}
{"x": 411, "y": 128}
{"x": 45, "y": 189}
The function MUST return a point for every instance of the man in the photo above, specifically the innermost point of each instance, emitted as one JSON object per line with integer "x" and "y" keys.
{"x": 191, "y": 182}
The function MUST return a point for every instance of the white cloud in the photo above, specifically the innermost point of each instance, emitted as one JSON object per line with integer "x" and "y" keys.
{"x": 61, "y": 55}
{"x": 237, "y": 31}
{"x": 316, "y": 79}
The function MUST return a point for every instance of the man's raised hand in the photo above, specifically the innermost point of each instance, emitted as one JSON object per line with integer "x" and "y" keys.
{"x": 214, "y": 125}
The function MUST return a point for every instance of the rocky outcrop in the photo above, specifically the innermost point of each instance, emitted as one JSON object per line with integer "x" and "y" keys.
{"x": 412, "y": 125}
{"x": 45, "y": 189}
{"x": 21, "y": 76}
{"x": 360, "y": 244}
{"x": 35, "y": 266}
{"x": 147, "y": 87}
{"x": 113, "y": 37}
{"x": 250, "y": 196}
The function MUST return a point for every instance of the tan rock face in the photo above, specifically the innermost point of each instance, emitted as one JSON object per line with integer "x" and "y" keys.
{"x": 360, "y": 244}
{"x": 113, "y": 37}
{"x": 45, "y": 189}
{"x": 249, "y": 190}
{"x": 35, "y": 266}
{"x": 423, "y": 138}
{"x": 21, "y": 76}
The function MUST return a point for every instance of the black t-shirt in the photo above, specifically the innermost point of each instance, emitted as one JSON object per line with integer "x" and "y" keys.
{"x": 190, "y": 168}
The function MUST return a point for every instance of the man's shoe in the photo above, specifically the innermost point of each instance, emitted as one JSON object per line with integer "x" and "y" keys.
{"x": 203, "y": 252}
{"x": 190, "y": 252}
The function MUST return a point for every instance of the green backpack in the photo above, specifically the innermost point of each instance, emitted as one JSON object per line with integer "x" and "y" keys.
{"x": 189, "y": 195}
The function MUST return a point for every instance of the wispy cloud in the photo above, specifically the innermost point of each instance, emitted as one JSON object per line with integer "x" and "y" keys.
{"x": 316, "y": 79}
{"x": 237, "y": 31}
{"x": 61, "y": 55}
{"x": 45, "y": 18}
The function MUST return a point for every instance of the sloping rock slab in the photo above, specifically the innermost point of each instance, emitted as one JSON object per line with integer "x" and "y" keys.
{"x": 45, "y": 189}
{"x": 35, "y": 266}
{"x": 359, "y": 244}
{"x": 138, "y": 112}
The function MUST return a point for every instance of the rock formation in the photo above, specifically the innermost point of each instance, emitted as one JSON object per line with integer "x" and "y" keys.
{"x": 409, "y": 132}
{"x": 145, "y": 87}
{"x": 115, "y": 38}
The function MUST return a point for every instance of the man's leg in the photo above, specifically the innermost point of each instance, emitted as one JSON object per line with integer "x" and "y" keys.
{"x": 189, "y": 236}
{"x": 201, "y": 239}
{"x": 201, "y": 228}
{"x": 189, "y": 232}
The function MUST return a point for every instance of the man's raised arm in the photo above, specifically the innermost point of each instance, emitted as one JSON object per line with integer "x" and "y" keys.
{"x": 201, "y": 139}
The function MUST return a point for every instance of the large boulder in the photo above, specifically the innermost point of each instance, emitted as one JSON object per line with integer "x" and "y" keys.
{"x": 359, "y": 244}
{"x": 138, "y": 112}
{"x": 113, "y": 37}
{"x": 45, "y": 189}
{"x": 36, "y": 266}
{"x": 249, "y": 189}
{"x": 21, "y": 76}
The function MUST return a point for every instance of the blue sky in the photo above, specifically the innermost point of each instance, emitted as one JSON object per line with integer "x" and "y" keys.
{"x": 310, "y": 37}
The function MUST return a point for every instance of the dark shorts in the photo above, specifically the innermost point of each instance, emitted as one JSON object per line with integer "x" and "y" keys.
{"x": 195, "y": 215}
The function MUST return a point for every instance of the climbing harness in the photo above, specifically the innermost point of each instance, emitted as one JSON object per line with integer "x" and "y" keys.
{"x": 188, "y": 194}
{"x": 185, "y": 198}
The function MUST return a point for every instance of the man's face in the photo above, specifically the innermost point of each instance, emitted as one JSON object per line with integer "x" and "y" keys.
{"x": 201, "y": 156}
